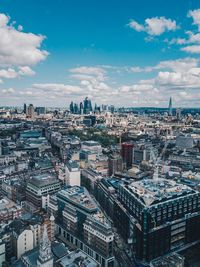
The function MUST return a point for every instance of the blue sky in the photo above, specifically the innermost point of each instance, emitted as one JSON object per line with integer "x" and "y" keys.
{"x": 127, "y": 53}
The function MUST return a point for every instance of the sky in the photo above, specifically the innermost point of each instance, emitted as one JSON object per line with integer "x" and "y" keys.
{"x": 122, "y": 52}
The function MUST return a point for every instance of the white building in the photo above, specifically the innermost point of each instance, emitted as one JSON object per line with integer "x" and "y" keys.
{"x": 2, "y": 252}
{"x": 23, "y": 242}
{"x": 73, "y": 176}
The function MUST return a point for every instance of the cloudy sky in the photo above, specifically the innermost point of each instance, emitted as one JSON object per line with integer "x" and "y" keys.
{"x": 121, "y": 52}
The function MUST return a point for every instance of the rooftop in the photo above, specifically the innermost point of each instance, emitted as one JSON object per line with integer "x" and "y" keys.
{"x": 153, "y": 191}
{"x": 78, "y": 196}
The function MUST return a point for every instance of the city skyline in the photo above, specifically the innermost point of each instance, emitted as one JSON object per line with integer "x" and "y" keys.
{"x": 121, "y": 53}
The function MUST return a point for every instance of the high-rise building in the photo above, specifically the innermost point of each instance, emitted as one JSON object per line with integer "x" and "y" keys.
{"x": 170, "y": 107}
{"x": 71, "y": 107}
{"x": 81, "y": 108}
{"x": 127, "y": 154}
{"x": 87, "y": 107}
{"x": 24, "y": 109}
{"x": 30, "y": 111}
{"x": 114, "y": 164}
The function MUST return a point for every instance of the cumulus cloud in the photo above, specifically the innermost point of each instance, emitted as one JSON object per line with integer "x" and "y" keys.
{"x": 57, "y": 88}
{"x": 154, "y": 26}
{"x": 195, "y": 15}
{"x": 193, "y": 49}
{"x": 182, "y": 64}
{"x": 26, "y": 71}
{"x": 18, "y": 48}
{"x": 8, "y": 91}
{"x": 97, "y": 72}
{"x": 12, "y": 73}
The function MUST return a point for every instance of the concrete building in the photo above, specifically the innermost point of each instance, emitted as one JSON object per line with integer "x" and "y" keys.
{"x": 2, "y": 252}
{"x": 72, "y": 174}
{"x": 92, "y": 146}
{"x": 184, "y": 141}
{"x": 127, "y": 154}
{"x": 114, "y": 164}
{"x": 80, "y": 222}
{"x": 22, "y": 241}
{"x": 40, "y": 187}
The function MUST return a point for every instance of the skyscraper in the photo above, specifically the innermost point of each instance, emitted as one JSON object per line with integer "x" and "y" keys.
{"x": 87, "y": 107}
{"x": 25, "y": 108}
{"x": 170, "y": 107}
{"x": 81, "y": 108}
{"x": 127, "y": 154}
{"x": 71, "y": 107}
{"x": 30, "y": 111}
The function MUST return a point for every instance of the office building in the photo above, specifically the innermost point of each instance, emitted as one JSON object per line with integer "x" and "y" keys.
{"x": 30, "y": 112}
{"x": 170, "y": 107}
{"x": 40, "y": 187}
{"x": 184, "y": 141}
{"x": 127, "y": 154}
{"x": 87, "y": 106}
{"x": 81, "y": 223}
{"x": 166, "y": 213}
{"x": 114, "y": 164}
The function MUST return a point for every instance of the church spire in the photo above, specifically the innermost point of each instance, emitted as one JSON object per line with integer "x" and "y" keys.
{"x": 45, "y": 257}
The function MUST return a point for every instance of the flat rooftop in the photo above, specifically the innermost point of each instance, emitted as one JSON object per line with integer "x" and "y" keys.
{"x": 78, "y": 196}
{"x": 158, "y": 190}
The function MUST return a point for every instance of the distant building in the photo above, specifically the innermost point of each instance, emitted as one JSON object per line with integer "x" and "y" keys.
{"x": 114, "y": 164}
{"x": 30, "y": 112}
{"x": 170, "y": 107}
{"x": 87, "y": 106}
{"x": 24, "y": 108}
{"x": 40, "y": 110}
{"x": 127, "y": 154}
{"x": 92, "y": 146}
{"x": 184, "y": 141}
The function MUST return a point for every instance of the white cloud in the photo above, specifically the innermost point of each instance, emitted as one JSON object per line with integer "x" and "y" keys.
{"x": 97, "y": 72}
{"x": 195, "y": 15}
{"x": 154, "y": 26}
{"x": 194, "y": 49}
{"x": 136, "y": 26}
{"x": 57, "y": 88}
{"x": 18, "y": 48}
{"x": 8, "y": 74}
{"x": 182, "y": 64}
{"x": 8, "y": 91}
{"x": 26, "y": 70}
{"x": 12, "y": 73}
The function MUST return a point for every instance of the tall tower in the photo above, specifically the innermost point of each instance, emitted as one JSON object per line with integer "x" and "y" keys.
{"x": 170, "y": 107}
{"x": 45, "y": 258}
